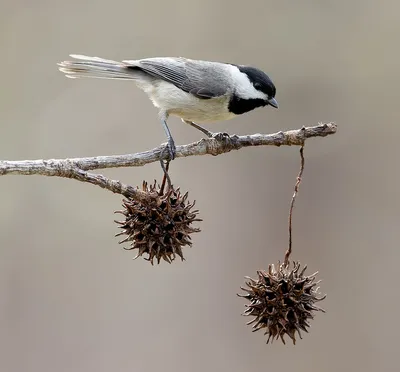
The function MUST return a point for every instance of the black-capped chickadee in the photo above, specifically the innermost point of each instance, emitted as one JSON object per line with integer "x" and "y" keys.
{"x": 195, "y": 91}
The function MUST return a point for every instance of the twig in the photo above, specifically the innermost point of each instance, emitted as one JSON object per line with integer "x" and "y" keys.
{"x": 68, "y": 170}
{"x": 296, "y": 190}
{"x": 214, "y": 146}
{"x": 221, "y": 143}
{"x": 166, "y": 177}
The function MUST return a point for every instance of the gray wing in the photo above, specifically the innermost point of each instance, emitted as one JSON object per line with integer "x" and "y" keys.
{"x": 203, "y": 79}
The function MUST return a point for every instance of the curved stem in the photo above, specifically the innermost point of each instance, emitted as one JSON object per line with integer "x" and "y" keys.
{"x": 296, "y": 190}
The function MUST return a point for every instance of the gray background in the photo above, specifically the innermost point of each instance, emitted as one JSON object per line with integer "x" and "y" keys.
{"x": 73, "y": 300}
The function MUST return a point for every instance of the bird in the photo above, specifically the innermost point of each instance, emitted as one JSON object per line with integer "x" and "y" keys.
{"x": 194, "y": 90}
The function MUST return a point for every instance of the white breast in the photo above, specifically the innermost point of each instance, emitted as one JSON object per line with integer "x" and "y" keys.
{"x": 176, "y": 102}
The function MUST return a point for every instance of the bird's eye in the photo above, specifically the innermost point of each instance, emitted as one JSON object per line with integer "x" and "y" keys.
{"x": 257, "y": 85}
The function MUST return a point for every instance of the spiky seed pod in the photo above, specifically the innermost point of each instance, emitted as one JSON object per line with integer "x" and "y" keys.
{"x": 160, "y": 228}
{"x": 282, "y": 301}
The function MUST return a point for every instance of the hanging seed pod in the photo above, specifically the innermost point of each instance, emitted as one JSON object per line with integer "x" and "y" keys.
{"x": 160, "y": 229}
{"x": 282, "y": 301}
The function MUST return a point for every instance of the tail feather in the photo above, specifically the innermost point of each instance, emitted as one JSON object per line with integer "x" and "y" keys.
{"x": 95, "y": 67}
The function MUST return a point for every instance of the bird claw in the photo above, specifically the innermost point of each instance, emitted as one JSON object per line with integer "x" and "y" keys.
{"x": 171, "y": 148}
{"x": 220, "y": 136}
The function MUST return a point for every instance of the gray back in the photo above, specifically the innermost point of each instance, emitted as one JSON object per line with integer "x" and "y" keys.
{"x": 203, "y": 79}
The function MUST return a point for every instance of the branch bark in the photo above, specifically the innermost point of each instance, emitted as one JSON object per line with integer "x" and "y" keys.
{"x": 76, "y": 168}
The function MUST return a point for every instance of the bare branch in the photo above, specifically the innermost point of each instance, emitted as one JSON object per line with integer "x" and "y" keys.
{"x": 219, "y": 144}
{"x": 68, "y": 170}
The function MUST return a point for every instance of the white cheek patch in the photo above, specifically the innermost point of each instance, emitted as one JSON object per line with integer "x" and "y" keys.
{"x": 243, "y": 86}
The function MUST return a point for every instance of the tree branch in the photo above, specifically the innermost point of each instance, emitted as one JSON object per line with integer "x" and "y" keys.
{"x": 219, "y": 144}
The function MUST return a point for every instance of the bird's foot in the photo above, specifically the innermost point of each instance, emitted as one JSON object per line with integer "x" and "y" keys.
{"x": 220, "y": 136}
{"x": 171, "y": 148}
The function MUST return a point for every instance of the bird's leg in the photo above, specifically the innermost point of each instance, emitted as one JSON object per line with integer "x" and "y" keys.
{"x": 201, "y": 129}
{"x": 171, "y": 142}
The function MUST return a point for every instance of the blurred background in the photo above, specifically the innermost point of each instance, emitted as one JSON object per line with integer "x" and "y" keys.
{"x": 73, "y": 300}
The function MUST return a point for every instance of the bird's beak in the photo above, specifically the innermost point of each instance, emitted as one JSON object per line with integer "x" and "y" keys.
{"x": 273, "y": 102}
